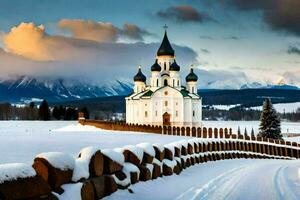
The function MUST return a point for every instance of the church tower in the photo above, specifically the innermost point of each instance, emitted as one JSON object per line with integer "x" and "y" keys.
{"x": 165, "y": 101}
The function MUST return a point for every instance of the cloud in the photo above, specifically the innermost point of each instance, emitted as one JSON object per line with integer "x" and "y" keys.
{"x": 183, "y": 13}
{"x": 281, "y": 15}
{"x": 101, "y": 31}
{"x": 47, "y": 55}
{"x": 231, "y": 38}
{"x": 293, "y": 50}
{"x": 205, "y": 51}
{"x": 206, "y": 37}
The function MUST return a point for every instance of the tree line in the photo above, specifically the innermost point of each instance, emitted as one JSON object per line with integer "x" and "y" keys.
{"x": 40, "y": 112}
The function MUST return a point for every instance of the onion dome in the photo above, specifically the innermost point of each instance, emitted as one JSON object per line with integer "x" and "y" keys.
{"x": 174, "y": 67}
{"x": 139, "y": 77}
{"x": 165, "y": 48}
{"x": 191, "y": 77}
{"x": 155, "y": 67}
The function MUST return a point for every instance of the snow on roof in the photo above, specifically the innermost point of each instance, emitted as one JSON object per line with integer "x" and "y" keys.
{"x": 81, "y": 169}
{"x": 148, "y": 148}
{"x": 114, "y": 155}
{"x": 59, "y": 160}
{"x": 13, "y": 171}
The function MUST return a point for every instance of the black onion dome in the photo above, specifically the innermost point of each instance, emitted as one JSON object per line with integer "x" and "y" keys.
{"x": 139, "y": 76}
{"x": 156, "y": 67}
{"x": 174, "y": 67}
{"x": 165, "y": 48}
{"x": 191, "y": 76}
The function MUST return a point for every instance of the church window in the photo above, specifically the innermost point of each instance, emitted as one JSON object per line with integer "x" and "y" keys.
{"x": 176, "y": 103}
{"x": 192, "y": 89}
{"x": 166, "y": 103}
{"x": 193, "y": 113}
{"x": 165, "y": 66}
{"x": 166, "y": 93}
{"x": 173, "y": 82}
{"x": 156, "y": 82}
{"x": 145, "y": 104}
{"x": 165, "y": 82}
{"x": 156, "y": 113}
{"x": 146, "y": 114}
{"x": 178, "y": 83}
{"x": 176, "y": 113}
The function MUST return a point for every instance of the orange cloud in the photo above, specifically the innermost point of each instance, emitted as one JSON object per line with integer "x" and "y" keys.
{"x": 28, "y": 40}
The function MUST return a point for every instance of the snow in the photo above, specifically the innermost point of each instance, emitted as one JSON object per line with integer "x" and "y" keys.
{"x": 81, "y": 169}
{"x": 282, "y": 107}
{"x": 77, "y": 127}
{"x": 114, "y": 155}
{"x": 129, "y": 167}
{"x": 14, "y": 171}
{"x": 148, "y": 148}
{"x": 71, "y": 191}
{"x": 170, "y": 163}
{"x": 137, "y": 151}
{"x": 58, "y": 160}
{"x": 224, "y": 107}
{"x": 20, "y": 141}
{"x": 286, "y": 127}
{"x": 293, "y": 139}
{"x": 160, "y": 147}
{"x": 228, "y": 179}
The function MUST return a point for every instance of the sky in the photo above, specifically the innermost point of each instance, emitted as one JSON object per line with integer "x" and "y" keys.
{"x": 230, "y": 42}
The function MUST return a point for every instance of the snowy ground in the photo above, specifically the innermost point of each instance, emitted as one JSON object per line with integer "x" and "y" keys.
{"x": 228, "y": 179}
{"x": 286, "y": 127}
{"x": 20, "y": 141}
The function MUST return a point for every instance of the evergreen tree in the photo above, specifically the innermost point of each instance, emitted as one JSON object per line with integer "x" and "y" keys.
{"x": 85, "y": 112}
{"x": 55, "y": 113}
{"x": 62, "y": 112}
{"x": 239, "y": 131}
{"x": 252, "y": 132}
{"x": 44, "y": 112}
{"x": 245, "y": 132}
{"x": 269, "y": 122}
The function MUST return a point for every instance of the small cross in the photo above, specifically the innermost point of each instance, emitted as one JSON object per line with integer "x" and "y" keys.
{"x": 165, "y": 27}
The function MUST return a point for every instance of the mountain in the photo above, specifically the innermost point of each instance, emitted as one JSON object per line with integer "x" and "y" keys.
{"x": 256, "y": 85}
{"x": 25, "y": 89}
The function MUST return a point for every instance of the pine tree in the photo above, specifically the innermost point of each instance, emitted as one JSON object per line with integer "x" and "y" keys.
{"x": 269, "y": 122}
{"x": 44, "y": 112}
{"x": 56, "y": 113}
{"x": 239, "y": 131}
{"x": 245, "y": 132}
{"x": 252, "y": 133}
{"x": 85, "y": 112}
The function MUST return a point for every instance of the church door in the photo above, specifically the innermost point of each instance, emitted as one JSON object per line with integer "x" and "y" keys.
{"x": 166, "y": 119}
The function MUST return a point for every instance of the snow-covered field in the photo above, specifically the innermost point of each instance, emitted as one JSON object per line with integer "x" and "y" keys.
{"x": 227, "y": 179}
{"x": 286, "y": 127}
{"x": 21, "y": 141}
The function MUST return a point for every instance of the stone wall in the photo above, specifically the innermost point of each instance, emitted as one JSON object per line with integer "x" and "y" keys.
{"x": 99, "y": 173}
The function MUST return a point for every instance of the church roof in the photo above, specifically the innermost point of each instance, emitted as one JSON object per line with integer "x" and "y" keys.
{"x": 156, "y": 67}
{"x": 165, "y": 48}
{"x": 147, "y": 94}
{"x": 191, "y": 76}
{"x": 139, "y": 76}
{"x": 174, "y": 66}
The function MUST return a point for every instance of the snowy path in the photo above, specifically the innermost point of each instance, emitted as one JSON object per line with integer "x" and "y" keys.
{"x": 229, "y": 179}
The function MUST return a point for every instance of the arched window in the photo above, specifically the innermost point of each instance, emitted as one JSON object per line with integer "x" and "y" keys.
{"x": 165, "y": 82}
{"x": 192, "y": 89}
{"x": 193, "y": 113}
{"x": 156, "y": 82}
{"x": 173, "y": 82}
{"x": 178, "y": 83}
{"x": 146, "y": 114}
{"x": 165, "y": 66}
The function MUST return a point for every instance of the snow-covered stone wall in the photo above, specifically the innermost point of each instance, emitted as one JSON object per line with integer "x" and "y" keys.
{"x": 96, "y": 173}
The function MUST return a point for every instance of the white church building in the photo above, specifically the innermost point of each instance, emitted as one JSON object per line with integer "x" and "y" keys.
{"x": 164, "y": 100}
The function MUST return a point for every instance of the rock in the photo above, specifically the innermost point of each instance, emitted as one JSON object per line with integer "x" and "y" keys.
{"x": 54, "y": 176}
{"x": 158, "y": 154}
{"x": 103, "y": 186}
{"x": 147, "y": 158}
{"x": 87, "y": 190}
{"x": 145, "y": 173}
{"x": 156, "y": 171}
{"x": 110, "y": 166}
{"x": 167, "y": 171}
{"x": 25, "y": 188}
{"x": 168, "y": 154}
{"x": 131, "y": 157}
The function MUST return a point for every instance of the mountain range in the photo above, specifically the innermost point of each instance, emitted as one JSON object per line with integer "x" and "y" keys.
{"x": 24, "y": 89}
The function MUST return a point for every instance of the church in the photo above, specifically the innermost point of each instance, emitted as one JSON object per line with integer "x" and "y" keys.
{"x": 164, "y": 100}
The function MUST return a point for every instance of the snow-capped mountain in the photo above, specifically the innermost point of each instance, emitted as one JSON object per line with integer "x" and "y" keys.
{"x": 22, "y": 89}
{"x": 256, "y": 85}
